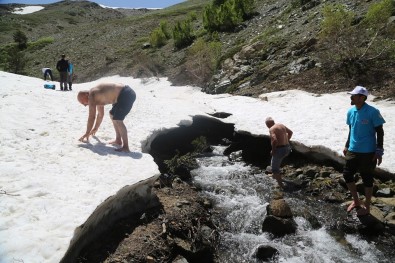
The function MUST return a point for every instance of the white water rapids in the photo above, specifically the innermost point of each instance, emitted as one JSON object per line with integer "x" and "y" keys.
{"x": 240, "y": 194}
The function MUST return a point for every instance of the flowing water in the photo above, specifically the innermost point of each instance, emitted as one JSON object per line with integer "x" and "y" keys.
{"x": 240, "y": 194}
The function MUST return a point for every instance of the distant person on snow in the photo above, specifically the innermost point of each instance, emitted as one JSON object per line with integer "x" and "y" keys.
{"x": 47, "y": 73}
{"x": 121, "y": 97}
{"x": 280, "y": 136}
{"x": 363, "y": 150}
{"x": 70, "y": 75}
{"x": 63, "y": 66}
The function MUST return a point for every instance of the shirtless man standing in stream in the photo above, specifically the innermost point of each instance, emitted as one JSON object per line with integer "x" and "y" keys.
{"x": 121, "y": 97}
{"x": 279, "y": 137}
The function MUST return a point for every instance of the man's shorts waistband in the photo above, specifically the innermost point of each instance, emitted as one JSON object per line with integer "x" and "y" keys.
{"x": 281, "y": 146}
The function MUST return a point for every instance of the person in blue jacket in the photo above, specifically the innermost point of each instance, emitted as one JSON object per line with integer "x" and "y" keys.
{"x": 364, "y": 147}
{"x": 70, "y": 75}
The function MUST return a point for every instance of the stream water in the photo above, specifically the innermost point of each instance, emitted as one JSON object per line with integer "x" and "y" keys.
{"x": 240, "y": 194}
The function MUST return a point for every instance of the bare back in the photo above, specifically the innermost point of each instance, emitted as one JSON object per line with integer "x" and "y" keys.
{"x": 280, "y": 134}
{"x": 105, "y": 93}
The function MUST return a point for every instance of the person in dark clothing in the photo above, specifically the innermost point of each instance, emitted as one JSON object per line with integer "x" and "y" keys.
{"x": 47, "y": 73}
{"x": 63, "y": 67}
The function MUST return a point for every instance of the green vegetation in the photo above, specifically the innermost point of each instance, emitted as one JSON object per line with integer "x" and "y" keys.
{"x": 39, "y": 44}
{"x": 225, "y": 15}
{"x": 188, "y": 160}
{"x": 337, "y": 20}
{"x": 203, "y": 59}
{"x": 358, "y": 46}
{"x": 160, "y": 35}
{"x": 21, "y": 39}
{"x": 190, "y": 42}
{"x": 183, "y": 34}
{"x": 378, "y": 14}
{"x": 180, "y": 161}
{"x": 14, "y": 60}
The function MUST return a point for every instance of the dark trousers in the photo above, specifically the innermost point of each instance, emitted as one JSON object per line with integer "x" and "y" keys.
{"x": 63, "y": 80}
{"x": 48, "y": 72}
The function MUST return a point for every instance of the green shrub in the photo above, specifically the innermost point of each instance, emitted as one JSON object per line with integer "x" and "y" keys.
{"x": 225, "y": 15}
{"x": 158, "y": 38}
{"x": 336, "y": 20}
{"x": 379, "y": 13}
{"x": 39, "y": 44}
{"x": 203, "y": 58}
{"x": 200, "y": 144}
{"x": 188, "y": 161}
{"x": 164, "y": 27}
{"x": 357, "y": 47}
{"x": 182, "y": 34}
{"x": 160, "y": 35}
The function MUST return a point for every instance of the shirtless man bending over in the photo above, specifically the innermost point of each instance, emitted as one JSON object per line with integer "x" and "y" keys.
{"x": 121, "y": 97}
{"x": 279, "y": 137}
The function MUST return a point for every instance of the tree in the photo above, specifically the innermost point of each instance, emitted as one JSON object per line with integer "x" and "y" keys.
{"x": 15, "y": 61}
{"x": 21, "y": 39}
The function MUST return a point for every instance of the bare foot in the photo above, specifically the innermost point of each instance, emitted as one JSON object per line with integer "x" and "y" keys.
{"x": 352, "y": 206}
{"x": 126, "y": 150}
{"x": 115, "y": 142}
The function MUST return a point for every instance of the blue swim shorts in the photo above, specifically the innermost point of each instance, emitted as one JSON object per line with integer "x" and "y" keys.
{"x": 124, "y": 104}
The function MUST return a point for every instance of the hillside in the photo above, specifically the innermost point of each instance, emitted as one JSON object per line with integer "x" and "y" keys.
{"x": 280, "y": 47}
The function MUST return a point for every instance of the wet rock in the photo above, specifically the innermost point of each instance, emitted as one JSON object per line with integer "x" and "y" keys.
{"x": 279, "y": 226}
{"x": 376, "y": 212}
{"x": 390, "y": 220}
{"x": 311, "y": 172}
{"x": 236, "y": 156}
{"x": 279, "y": 208}
{"x": 180, "y": 259}
{"x": 385, "y": 192}
{"x": 265, "y": 252}
{"x": 388, "y": 201}
{"x": 312, "y": 219}
{"x": 150, "y": 259}
{"x": 334, "y": 197}
{"x": 192, "y": 252}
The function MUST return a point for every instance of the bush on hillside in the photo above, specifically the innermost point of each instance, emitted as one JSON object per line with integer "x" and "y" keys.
{"x": 183, "y": 34}
{"x": 160, "y": 35}
{"x": 203, "y": 59}
{"x": 157, "y": 38}
{"x": 225, "y": 15}
{"x": 39, "y": 44}
{"x": 378, "y": 14}
{"x": 356, "y": 46}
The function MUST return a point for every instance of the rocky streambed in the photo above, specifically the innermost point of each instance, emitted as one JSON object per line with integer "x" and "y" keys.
{"x": 186, "y": 222}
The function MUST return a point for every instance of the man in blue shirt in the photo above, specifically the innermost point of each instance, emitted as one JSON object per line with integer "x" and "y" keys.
{"x": 364, "y": 150}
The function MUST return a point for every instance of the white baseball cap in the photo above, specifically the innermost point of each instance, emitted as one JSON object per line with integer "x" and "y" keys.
{"x": 359, "y": 90}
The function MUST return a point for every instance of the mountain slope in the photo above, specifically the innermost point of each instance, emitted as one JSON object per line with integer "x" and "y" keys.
{"x": 279, "y": 48}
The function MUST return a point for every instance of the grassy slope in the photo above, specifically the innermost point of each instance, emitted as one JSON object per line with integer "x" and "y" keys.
{"x": 99, "y": 41}
{"x": 102, "y": 42}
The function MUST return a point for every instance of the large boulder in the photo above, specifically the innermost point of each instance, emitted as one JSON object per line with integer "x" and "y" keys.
{"x": 279, "y": 208}
{"x": 265, "y": 252}
{"x": 279, "y": 226}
